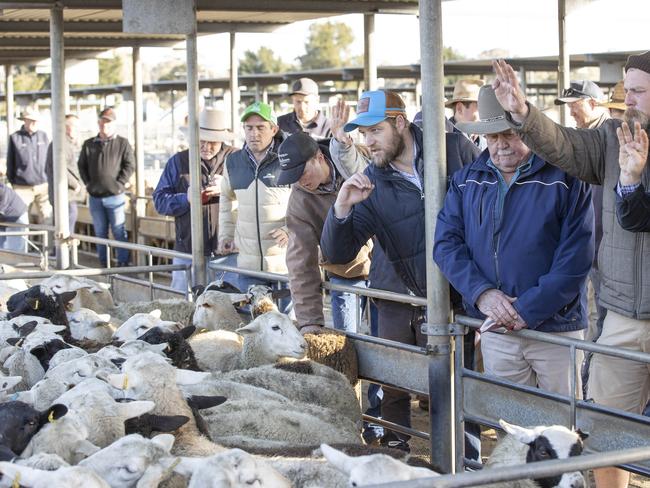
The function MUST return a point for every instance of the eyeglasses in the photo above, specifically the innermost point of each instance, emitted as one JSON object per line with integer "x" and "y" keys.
{"x": 572, "y": 92}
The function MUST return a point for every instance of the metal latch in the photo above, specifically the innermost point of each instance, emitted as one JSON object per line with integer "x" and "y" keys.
{"x": 453, "y": 329}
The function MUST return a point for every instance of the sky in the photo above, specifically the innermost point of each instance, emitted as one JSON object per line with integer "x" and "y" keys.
{"x": 523, "y": 27}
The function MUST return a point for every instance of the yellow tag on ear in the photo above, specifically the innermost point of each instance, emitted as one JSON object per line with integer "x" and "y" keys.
{"x": 36, "y": 305}
{"x": 50, "y": 417}
{"x": 125, "y": 383}
{"x": 16, "y": 483}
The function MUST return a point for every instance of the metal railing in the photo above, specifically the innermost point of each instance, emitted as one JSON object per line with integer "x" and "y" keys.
{"x": 42, "y": 252}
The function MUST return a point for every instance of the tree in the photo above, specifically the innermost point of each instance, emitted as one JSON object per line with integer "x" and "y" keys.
{"x": 262, "y": 61}
{"x": 26, "y": 79}
{"x": 328, "y": 46}
{"x": 450, "y": 54}
{"x": 110, "y": 71}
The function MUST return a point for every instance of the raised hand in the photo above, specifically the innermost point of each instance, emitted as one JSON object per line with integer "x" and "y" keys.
{"x": 338, "y": 118}
{"x": 632, "y": 153}
{"x": 508, "y": 91}
{"x": 355, "y": 189}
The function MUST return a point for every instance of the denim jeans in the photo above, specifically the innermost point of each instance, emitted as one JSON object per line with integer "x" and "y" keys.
{"x": 179, "y": 278}
{"x": 15, "y": 243}
{"x": 285, "y": 305}
{"x": 105, "y": 211}
{"x": 375, "y": 393}
{"x": 345, "y": 307}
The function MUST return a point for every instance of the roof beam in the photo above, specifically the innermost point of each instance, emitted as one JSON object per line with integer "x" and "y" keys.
{"x": 83, "y": 43}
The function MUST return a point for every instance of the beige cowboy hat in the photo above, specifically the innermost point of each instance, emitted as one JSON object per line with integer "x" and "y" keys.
{"x": 213, "y": 126}
{"x": 617, "y": 98}
{"x": 30, "y": 114}
{"x": 465, "y": 90}
{"x": 492, "y": 117}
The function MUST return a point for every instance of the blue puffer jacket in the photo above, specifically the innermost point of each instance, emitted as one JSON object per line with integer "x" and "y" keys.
{"x": 541, "y": 251}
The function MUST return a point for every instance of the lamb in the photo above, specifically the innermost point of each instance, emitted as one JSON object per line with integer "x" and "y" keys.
{"x": 215, "y": 311}
{"x": 140, "y": 323}
{"x": 74, "y": 371}
{"x": 178, "y": 349}
{"x": 171, "y": 309}
{"x": 129, "y": 348}
{"x": 90, "y": 294}
{"x": 148, "y": 376}
{"x": 87, "y": 324}
{"x": 266, "y": 339}
{"x": 373, "y": 469}
{"x": 68, "y": 477}
{"x": 523, "y": 445}
{"x": 40, "y": 300}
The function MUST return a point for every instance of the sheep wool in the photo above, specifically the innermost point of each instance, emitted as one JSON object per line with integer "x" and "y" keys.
{"x": 333, "y": 349}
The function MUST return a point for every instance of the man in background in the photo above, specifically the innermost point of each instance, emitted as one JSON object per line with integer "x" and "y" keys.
{"x": 306, "y": 116}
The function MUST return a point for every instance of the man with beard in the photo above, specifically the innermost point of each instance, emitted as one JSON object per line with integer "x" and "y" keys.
{"x": 597, "y": 156}
{"x": 387, "y": 201}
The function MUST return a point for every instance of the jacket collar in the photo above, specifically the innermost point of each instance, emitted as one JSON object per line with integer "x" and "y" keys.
{"x": 481, "y": 165}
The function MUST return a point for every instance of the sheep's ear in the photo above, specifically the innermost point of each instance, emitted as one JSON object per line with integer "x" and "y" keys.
{"x": 166, "y": 441}
{"x": 160, "y": 348}
{"x": 7, "y": 382}
{"x": 67, "y": 296}
{"x": 118, "y": 361}
{"x": 187, "y": 377}
{"x": 202, "y": 402}
{"x": 118, "y": 381}
{"x": 187, "y": 465}
{"x": 582, "y": 435}
{"x": 53, "y": 413}
{"x": 187, "y": 332}
{"x": 252, "y": 328}
{"x": 155, "y": 313}
{"x": 522, "y": 434}
{"x": 28, "y": 328}
{"x": 164, "y": 423}
{"x": 338, "y": 459}
{"x": 238, "y": 297}
{"x": 135, "y": 409}
{"x": 105, "y": 317}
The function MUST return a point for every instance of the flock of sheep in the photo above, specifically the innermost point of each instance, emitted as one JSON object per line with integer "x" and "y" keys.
{"x": 177, "y": 393}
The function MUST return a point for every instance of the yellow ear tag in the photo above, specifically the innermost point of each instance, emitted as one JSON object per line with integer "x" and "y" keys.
{"x": 36, "y": 305}
{"x": 125, "y": 383}
{"x": 16, "y": 483}
{"x": 50, "y": 417}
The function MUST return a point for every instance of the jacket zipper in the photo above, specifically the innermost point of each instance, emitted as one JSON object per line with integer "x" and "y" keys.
{"x": 257, "y": 217}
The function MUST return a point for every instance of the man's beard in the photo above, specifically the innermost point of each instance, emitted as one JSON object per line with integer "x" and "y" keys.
{"x": 395, "y": 148}
{"x": 633, "y": 115}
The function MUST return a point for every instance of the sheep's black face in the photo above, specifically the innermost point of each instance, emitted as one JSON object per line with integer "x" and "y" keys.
{"x": 542, "y": 449}
{"x": 41, "y": 302}
{"x": 19, "y": 422}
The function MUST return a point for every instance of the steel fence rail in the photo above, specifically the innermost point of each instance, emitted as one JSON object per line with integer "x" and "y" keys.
{"x": 29, "y": 275}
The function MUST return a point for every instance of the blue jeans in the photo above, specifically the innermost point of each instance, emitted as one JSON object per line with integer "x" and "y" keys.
{"x": 344, "y": 305}
{"x": 105, "y": 211}
{"x": 375, "y": 393}
{"x": 179, "y": 278}
{"x": 15, "y": 243}
{"x": 285, "y": 305}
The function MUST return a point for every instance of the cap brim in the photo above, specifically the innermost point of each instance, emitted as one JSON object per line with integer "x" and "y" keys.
{"x": 303, "y": 93}
{"x": 271, "y": 119}
{"x": 614, "y": 105}
{"x": 289, "y": 176}
{"x": 456, "y": 100}
{"x": 364, "y": 121}
{"x": 563, "y": 100}
{"x": 215, "y": 135}
{"x": 492, "y": 127}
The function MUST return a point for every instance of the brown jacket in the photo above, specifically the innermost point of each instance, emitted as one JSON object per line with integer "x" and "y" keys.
{"x": 306, "y": 213}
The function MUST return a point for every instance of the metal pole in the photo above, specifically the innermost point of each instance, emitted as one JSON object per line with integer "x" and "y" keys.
{"x": 198, "y": 259}
{"x": 138, "y": 131}
{"x": 435, "y": 177}
{"x": 563, "y": 75}
{"x": 234, "y": 86}
{"x": 173, "y": 117}
{"x": 9, "y": 98}
{"x": 61, "y": 213}
{"x": 369, "y": 61}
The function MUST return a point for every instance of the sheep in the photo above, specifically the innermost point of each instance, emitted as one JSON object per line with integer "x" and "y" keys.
{"x": 213, "y": 347}
{"x": 373, "y": 469}
{"x": 7, "y": 383}
{"x": 266, "y": 339}
{"x": 22, "y": 363}
{"x": 171, "y": 309}
{"x": 87, "y": 324}
{"x": 67, "y": 477}
{"x": 231, "y": 469}
{"x": 129, "y": 348}
{"x": 178, "y": 349}
{"x": 148, "y": 376}
{"x": 334, "y": 349}
{"x": 524, "y": 445}
{"x": 90, "y": 294}
{"x": 65, "y": 355}
{"x": 74, "y": 371}
{"x": 40, "y": 300}
{"x": 133, "y": 460}
{"x": 215, "y": 311}
{"x": 140, "y": 323}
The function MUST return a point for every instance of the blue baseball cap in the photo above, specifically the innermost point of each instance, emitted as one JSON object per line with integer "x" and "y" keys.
{"x": 376, "y": 106}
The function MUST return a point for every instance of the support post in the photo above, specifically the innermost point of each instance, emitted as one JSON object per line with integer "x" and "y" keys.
{"x": 9, "y": 98}
{"x": 435, "y": 177}
{"x": 564, "y": 74}
{"x": 369, "y": 60}
{"x": 61, "y": 211}
{"x": 196, "y": 211}
{"x": 234, "y": 85}
{"x": 138, "y": 131}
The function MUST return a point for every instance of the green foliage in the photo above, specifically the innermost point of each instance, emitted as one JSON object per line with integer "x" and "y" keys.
{"x": 450, "y": 54}
{"x": 328, "y": 46}
{"x": 173, "y": 71}
{"x": 26, "y": 79}
{"x": 110, "y": 71}
{"x": 262, "y": 61}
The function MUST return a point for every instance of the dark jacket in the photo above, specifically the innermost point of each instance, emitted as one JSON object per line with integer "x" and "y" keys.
{"x": 11, "y": 205}
{"x": 170, "y": 198}
{"x": 539, "y": 251}
{"x": 394, "y": 213}
{"x": 26, "y": 155}
{"x": 76, "y": 188}
{"x": 633, "y": 210}
{"x": 106, "y": 166}
{"x": 319, "y": 129}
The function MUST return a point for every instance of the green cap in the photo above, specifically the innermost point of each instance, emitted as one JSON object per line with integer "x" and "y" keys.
{"x": 262, "y": 109}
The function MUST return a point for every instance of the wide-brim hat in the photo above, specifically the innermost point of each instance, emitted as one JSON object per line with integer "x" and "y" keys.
{"x": 213, "y": 126}
{"x": 492, "y": 116}
{"x": 30, "y": 114}
{"x": 617, "y": 99}
{"x": 465, "y": 90}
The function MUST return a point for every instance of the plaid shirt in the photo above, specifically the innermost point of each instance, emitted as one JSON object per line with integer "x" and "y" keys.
{"x": 624, "y": 190}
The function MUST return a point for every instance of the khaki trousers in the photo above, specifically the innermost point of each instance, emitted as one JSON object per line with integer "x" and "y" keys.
{"x": 35, "y": 197}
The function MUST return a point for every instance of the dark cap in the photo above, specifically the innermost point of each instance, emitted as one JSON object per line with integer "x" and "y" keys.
{"x": 304, "y": 86}
{"x": 293, "y": 153}
{"x": 108, "y": 113}
{"x": 639, "y": 61}
{"x": 580, "y": 89}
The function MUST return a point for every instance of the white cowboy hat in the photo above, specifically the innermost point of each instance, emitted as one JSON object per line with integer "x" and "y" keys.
{"x": 213, "y": 126}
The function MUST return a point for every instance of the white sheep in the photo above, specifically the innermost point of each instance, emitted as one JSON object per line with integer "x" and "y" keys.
{"x": 76, "y": 370}
{"x": 231, "y": 469}
{"x": 6, "y": 384}
{"x": 267, "y": 339}
{"x": 215, "y": 311}
{"x": 171, "y": 309}
{"x": 91, "y": 294}
{"x": 24, "y": 364}
{"x": 86, "y": 324}
{"x": 139, "y": 323}
{"x": 65, "y": 355}
{"x": 68, "y": 477}
{"x": 373, "y": 469}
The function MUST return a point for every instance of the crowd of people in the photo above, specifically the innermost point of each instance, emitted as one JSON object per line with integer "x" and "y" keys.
{"x": 540, "y": 223}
